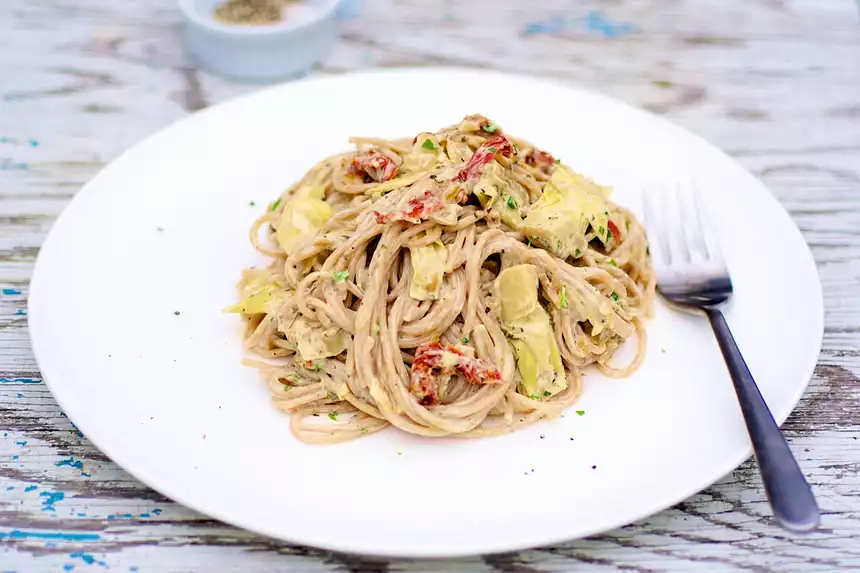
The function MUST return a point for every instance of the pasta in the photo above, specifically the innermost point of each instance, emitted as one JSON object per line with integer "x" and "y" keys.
{"x": 454, "y": 284}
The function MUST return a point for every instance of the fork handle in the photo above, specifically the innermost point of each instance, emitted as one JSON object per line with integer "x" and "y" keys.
{"x": 790, "y": 496}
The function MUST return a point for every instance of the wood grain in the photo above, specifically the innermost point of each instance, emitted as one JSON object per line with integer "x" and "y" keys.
{"x": 774, "y": 83}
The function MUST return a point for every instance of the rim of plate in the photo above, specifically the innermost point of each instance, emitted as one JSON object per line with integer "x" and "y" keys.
{"x": 526, "y": 539}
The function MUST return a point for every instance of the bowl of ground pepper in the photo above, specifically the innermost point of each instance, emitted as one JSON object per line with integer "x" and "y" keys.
{"x": 259, "y": 40}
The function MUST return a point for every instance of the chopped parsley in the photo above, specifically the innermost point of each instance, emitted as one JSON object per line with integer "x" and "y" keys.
{"x": 580, "y": 412}
{"x": 251, "y": 203}
{"x": 577, "y": 253}
{"x": 512, "y": 204}
{"x": 601, "y": 230}
{"x": 332, "y": 416}
{"x": 429, "y": 144}
{"x": 341, "y": 276}
{"x": 614, "y": 297}
{"x": 563, "y": 301}
{"x": 547, "y": 393}
{"x": 558, "y": 161}
{"x": 492, "y": 149}
{"x": 176, "y": 312}
{"x": 534, "y": 397}
{"x": 275, "y": 204}
{"x": 317, "y": 367}
{"x": 465, "y": 340}
{"x": 613, "y": 263}
{"x": 490, "y": 128}
{"x": 362, "y": 431}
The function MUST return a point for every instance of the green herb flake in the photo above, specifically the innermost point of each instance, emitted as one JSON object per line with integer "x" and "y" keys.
{"x": 429, "y": 144}
{"x": 465, "y": 340}
{"x": 558, "y": 161}
{"x": 614, "y": 297}
{"x": 332, "y": 416}
{"x": 275, "y": 204}
{"x": 577, "y": 253}
{"x": 176, "y": 312}
{"x": 252, "y": 204}
{"x": 534, "y": 397}
{"x": 601, "y": 230}
{"x": 490, "y": 128}
{"x": 512, "y": 204}
{"x": 547, "y": 393}
{"x": 362, "y": 431}
{"x": 492, "y": 149}
{"x": 613, "y": 262}
{"x": 341, "y": 276}
{"x": 317, "y": 367}
{"x": 563, "y": 301}
{"x": 580, "y": 412}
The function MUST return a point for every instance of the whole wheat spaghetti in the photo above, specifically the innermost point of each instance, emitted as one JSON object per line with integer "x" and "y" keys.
{"x": 454, "y": 284}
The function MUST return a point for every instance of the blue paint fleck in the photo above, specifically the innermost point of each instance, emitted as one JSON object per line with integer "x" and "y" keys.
{"x": 81, "y": 514}
{"x": 557, "y": 24}
{"x": 597, "y": 22}
{"x": 71, "y": 462}
{"x": 21, "y": 443}
{"x": 31, "y": 487}
{"x": 68, "y": 566}
{"x": 4, "y": 139}
{"x": 51, "y": 497}
{"x": 20, "y": 312}
{"x": 86, "y": 475}
{"x": 156, "y": 511}
{"x": 33, "y": 143}
{"x": 20, "y": 381}
{"x": 10, "y": 487}
{"x": 20, "y": 395}
{"x": 87, "y": 558}
{"x": 15, "y": 458}
{"x": 49, "y": 535}
{"x": 132, "y": 569}
{"x": 11, "y": 166}
{"x": 144, "y": 515}
{"x": 11, "y": 291}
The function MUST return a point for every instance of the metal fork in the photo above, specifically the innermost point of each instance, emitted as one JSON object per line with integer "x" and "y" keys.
{"x": 691, "y": 273}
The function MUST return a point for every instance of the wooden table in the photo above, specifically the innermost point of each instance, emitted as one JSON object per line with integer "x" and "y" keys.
{"x": 775, "y": 83}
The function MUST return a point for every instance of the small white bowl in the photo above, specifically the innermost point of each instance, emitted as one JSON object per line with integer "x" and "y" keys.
{"x": 261, "y": 52}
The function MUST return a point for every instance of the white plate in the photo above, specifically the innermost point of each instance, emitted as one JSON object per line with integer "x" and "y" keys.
{"x": 165, "y": 396}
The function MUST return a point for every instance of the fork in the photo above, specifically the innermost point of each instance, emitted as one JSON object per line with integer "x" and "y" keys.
{"x": 691, "y": 273}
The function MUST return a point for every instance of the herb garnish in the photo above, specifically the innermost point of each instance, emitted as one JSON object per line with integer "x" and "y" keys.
{"x": 429, "y": 144}
{"x": 512, "y": 204}
{"x": 490, "y": 128}
{"x": 563, "y": 301}
{"x": 275, "y": 204}
{"x": 534, "y": 397}
{"x": 492, "y": 149}
{"x": 558, "y": 161}
{"x": 332, "y": 416}
{"x": 613, "y": 263}
{"x": 362, "y": 431}
{"x": 341, "y": 276}
{"x": 580, "y": 412}
{"x": 614, "y": 297}
{"x": 547, "y": 393}
{"x": 465, "y": 340}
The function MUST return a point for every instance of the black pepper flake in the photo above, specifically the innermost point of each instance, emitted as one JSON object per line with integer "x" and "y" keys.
{"x": 176, "y": 312}
{"x": 594, "y": 467}
{"x": 542, "y": 437}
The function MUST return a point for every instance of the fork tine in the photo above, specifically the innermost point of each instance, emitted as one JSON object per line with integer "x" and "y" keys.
{"x": 674, "y": 228}
{"x": 691, "y": 222}
{"x": 656, "y": 235}
{"x": 710, "y": 245}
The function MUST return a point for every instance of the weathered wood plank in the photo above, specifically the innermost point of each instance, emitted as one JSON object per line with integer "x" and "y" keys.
{"x": 774, "y": 83}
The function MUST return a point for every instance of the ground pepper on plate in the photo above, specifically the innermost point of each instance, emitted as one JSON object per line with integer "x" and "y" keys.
{"x": 251, "y": 11}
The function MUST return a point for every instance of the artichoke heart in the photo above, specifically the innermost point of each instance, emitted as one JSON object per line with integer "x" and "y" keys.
{"x": 428, "y": 268}
{"x": 303, "y": 215}
{"x": 527, "y": 324}
{"x": 570, "y": 202}
{"x": 314, "y": 342}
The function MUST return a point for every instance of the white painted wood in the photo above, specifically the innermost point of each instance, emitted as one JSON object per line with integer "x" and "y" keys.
{"x": 774, "y": 83}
